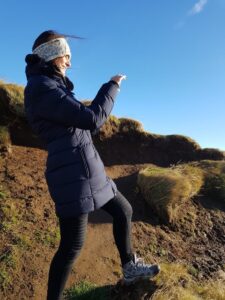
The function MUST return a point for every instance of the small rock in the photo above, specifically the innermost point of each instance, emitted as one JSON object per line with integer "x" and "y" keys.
{"x": 220, "y": 274}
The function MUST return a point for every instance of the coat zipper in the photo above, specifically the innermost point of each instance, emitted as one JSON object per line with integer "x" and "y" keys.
{"x": 85, "y": 163}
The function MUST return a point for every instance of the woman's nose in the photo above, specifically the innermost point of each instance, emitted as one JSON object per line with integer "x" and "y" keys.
{"x": 68, "y": 63}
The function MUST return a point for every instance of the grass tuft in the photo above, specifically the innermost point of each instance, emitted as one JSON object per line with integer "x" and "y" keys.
{"x": 176, "y": 283}
{"x": 168, "y": 189}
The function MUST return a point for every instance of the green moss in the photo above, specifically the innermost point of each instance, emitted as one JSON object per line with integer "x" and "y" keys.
{"x": 9, "y": 263}
{"x": 48, "y": 238}
{"x": 7, "y": 258}
{"x": 22, "y": 241}
{"x": 52, "y": 238}
{"x": 86, "y": 291}
{"x": 2, "y": 195}
{"x": 9, "y": 212}
{"x": 193, "y": 271}
{"x": 5, "y": 279}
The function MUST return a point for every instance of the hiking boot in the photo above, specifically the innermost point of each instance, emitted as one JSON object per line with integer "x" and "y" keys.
{"x": 136, "y": 269}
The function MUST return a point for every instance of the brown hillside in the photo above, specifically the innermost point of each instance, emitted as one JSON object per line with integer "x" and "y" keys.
{"x": 30, "y": 234}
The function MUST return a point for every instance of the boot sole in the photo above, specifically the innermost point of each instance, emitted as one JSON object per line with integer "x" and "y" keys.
{"x": 137, "y": 279}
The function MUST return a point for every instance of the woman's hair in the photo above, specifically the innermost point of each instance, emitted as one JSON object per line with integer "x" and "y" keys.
{"x": 49, "y": 35}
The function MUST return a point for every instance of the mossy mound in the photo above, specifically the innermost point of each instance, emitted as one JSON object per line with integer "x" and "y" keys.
{"x": 123, "y": 140}
{"x": 211, "y": 153}
{"x": 12, "y": 112}
{"x": 167, "y": 190}
{"x": 214, "y": 178}
{"x": 118, "y": 127}
{"x": 14, "y": 128}
{"x": 11, "y": 101}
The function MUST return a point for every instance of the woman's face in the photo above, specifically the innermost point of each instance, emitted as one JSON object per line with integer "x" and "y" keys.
{"x": 63, "y": 63}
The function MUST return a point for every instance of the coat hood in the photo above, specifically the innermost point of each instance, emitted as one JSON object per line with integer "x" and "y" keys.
{"x": 37, "y": 66}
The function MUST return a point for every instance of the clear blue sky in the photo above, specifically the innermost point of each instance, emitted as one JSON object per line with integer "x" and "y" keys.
{"x": 173, "y": 53}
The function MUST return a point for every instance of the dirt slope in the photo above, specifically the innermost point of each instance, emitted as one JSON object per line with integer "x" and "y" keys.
{"x": 30, "y": 238}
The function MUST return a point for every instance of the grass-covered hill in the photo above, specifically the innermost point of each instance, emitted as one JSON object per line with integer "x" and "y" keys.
{"x": 120, "y": 140}
{"x": 176, "y": 189}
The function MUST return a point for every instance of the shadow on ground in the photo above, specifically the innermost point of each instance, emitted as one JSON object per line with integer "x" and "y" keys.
{"x": 212, "y": 204}
{"x": 137, "y": 291}
{"x": 141, "y": 210}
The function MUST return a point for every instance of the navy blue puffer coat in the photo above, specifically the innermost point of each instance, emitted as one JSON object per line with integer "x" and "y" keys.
{"x": 74, "y": 173}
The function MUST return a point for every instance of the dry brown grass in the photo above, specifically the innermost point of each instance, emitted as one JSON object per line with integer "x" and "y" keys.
{"x": 214, "y": 178}
{"x": 168, "y": 189}
{"x": 11, "y": 99}
{"x": 5, "y": 140}
{"x": 176, "y": 283}
{"x": 8, "y": 252}
{"x": 4, "y": 136}
{"x": 130, "y": 125}
{"x": 116, "y": 125}
{"x": 212, "y": 154}
{"x": 183, "y": 142}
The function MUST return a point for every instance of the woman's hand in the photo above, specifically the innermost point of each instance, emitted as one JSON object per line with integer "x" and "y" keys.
{"x": 118, "y": 78}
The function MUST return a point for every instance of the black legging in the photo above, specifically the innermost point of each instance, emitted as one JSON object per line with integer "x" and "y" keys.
{"x": 73, "y": 231}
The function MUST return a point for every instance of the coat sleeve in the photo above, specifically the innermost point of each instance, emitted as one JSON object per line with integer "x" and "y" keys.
{"x": 53, "y": 104}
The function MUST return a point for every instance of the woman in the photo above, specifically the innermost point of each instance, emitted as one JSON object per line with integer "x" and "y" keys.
{"x": 74, "y": 173}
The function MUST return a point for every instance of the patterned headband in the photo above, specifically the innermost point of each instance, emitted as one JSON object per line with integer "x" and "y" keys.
{"x": 53, "y": 49}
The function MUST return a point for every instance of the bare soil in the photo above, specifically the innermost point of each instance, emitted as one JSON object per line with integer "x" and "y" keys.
{"x": 197, "y": 241}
